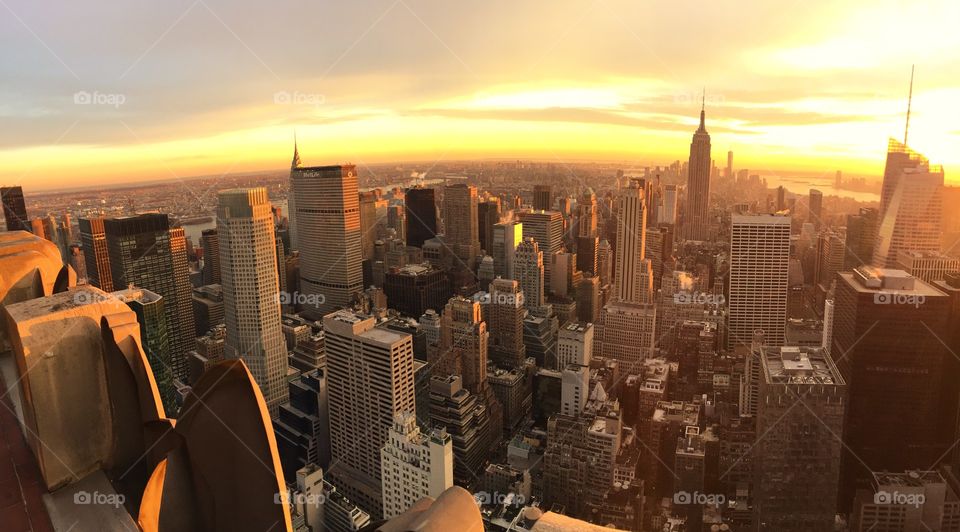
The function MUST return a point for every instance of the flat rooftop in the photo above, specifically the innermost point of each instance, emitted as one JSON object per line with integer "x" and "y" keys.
{"x": 799, "y": 365}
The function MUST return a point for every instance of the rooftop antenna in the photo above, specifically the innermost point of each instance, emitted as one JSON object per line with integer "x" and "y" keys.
{"x": 906, "y": 130}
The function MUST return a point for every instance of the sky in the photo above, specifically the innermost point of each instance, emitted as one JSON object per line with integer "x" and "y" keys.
{"x": 102, "y": 92}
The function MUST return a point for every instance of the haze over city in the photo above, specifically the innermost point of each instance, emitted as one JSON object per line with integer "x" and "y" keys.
{"x": 206, "y": 87}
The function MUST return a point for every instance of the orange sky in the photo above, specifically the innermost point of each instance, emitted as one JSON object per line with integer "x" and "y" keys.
{"x": 107, "y": 94}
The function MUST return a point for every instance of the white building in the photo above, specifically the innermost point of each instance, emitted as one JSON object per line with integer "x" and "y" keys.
{"x": 759, "y": 259}
{"x": 574, "y": 389}
{"x": 575, "y": 344}
{"x": 248, "y": 270}
{"x": 414, "y": 465}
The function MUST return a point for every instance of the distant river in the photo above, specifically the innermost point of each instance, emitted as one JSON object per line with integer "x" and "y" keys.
{"x": 802, "y": 185}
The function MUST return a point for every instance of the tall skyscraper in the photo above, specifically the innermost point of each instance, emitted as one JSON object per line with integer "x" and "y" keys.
{"x": 370, "y": 382}
{"x": 697, "y": 217}
{"x": 421, "y": 215}
{"x": 587, "y": 212}
{"x": 668, "y": 214}
{"x": 14, "y": 209}
{"x": 414, "y": 465}
{"x": 96, "y": 256}
{"x": 506, "y": 237}
{"x": 632, "y": 285}
{"x": 542, "y": 197}
{"x": 546, "y": 227}
{"x": 528, "y": 271}
{"x": 368, "y": 222}
{"x": 861, "y": 237}
{"x": 464, "y": 343}
{"x": 815, "y": 208}
{"x": 911, "y": 207}
{"x": 488, "y": 215}
{"x": 210, "y": 244}
{"x": 154, "y": 338}
{"x": 759, "y": 263}
{"x": 250, "y": 290}
{"x": 461, "y": 226}
{"x": 146, "y": 252}
{"x": 327, "y": 215}
{"x": 505, "y": 313}
{"x": 729, "y": 174}
{"x": 888, "y": 334}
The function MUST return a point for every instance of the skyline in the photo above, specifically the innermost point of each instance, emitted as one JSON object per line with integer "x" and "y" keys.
{"x": 401, "y": 82}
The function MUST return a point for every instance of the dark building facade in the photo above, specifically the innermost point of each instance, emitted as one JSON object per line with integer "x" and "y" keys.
{"x": 413, "y": 289}
{"x": 421, "y": 215}
{"x": 14, "y": 209}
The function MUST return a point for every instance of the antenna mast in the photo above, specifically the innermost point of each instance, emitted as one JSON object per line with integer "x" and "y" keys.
{"x": 909, "y": 102}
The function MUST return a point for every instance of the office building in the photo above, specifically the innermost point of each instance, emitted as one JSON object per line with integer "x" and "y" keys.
{"x": 575, "y": 344}
{"x": 461, "y": 226}
{"x": 14, "y": 209}
{"x": 542, "y": 197}
{"x": 362, "y": 357}
{"x": 326, "y": 206}
{"x": 488, "y": 215}
{"x": 415, "y": 288}
{"x": 529, "y": 272}
{"x": 249, "y": 273}
{"x": 887, "y": 331}
{"x": 759, "y": 268}
{"x": 546, "y": 227}
{"x": 506, "y": 237}
{"x": 633, "y": 286}
{"x": 96, "y": 256}
{"x": 420, "y": 210}
{"x": 146, "y": 252}
{"x": 815, "y": 208}
{"x": 799, "y": 453}
{"x": 928, "y": 266}
{"x": 504, "y": 314}
{"x": 210, "y": 244}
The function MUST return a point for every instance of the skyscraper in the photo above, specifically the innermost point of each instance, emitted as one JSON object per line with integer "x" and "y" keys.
{"x": 370, "y": 382}
{"x": 461, "y": 226}
{"x": 542, "y": 197}
{"x": 488, "y": 215}
{"x": 146, "y": 252}
{"x": 528, "y": 271}
{"x": 368, "y": 222}
{"x": 815, "y": 208}
{"x": 888, "y": 334}
{"x": 587, "y": 212}
{"x": 911, "y": 207}
{"x": 506, "y": 237}
{"x": 14, "y": 209}
{"x": 210, "y": 245}
{"x": 251, "y": 300}
{"x": 421, "y": 215}
{"x": 546, "y": 227}
{"x": 95, "y": 253}
{"x": 505, "y": 312}
{"x": 759, "y": 263}
{"x": 632, "y": 285}
{"x": 327, "y": 213}
{"x": 697, "y": 217}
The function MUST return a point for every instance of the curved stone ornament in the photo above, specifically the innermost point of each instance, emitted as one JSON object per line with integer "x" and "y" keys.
{"x": 226, "y": 474}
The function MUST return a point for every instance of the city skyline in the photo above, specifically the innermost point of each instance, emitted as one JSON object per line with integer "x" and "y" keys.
{"x": 439, "y": 94}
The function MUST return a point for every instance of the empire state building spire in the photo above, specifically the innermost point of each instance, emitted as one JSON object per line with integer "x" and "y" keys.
{"x": 703, "y": 107}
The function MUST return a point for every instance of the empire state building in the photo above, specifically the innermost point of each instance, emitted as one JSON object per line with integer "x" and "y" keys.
{"x": 696, "y": 220}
